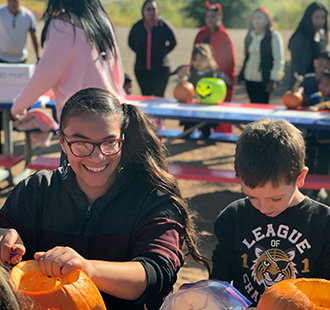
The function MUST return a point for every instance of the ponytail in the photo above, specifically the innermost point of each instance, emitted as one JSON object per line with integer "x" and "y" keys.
{"x": 143, "y": 154}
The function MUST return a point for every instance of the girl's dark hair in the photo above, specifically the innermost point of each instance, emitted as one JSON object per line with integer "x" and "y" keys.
{"x": 142, "y": 153}
{"x": 306, "y": 26}
{"x": 92, "y": 17}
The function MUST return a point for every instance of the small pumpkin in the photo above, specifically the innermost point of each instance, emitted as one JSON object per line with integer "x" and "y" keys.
{"x": 297, "y": 294}
{"x": 75, "y": 291}
{"x": 292, "y": 99}
{"x": 184, "y": 91}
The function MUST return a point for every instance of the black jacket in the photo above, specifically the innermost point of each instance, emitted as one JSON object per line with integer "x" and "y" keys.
{"x": 162, "y": 42}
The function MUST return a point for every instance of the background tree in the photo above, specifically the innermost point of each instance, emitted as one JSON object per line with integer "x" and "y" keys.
{"x": 236, "y": 13}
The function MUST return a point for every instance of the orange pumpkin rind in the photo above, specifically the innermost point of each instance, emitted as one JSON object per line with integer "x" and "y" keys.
{"x": 74, "y": 291}
{"x": 297, "y": 294}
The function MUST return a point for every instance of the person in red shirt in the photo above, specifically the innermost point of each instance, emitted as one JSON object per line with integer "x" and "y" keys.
{"x": 215, "y": 34}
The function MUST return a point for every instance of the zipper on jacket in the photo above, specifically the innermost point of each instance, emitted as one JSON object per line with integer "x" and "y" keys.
{"x": 14, "y": 21}
{"x": 82, "y": 232}
{"x": 89, "y": 211}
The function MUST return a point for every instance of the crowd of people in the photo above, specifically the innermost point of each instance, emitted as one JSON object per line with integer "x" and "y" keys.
{"x": 112, "y": 209}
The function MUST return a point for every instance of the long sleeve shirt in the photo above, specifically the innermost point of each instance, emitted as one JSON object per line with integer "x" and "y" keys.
{"x": 70, "y": 63}
{"x": 252, "y": 71}
{"x": 133, "y": 221}
{"x": 152, "y": 45}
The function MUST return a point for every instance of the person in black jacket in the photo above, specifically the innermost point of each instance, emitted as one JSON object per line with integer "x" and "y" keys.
{"x": 152, "y": 38}
{"x": 264, "y": 57}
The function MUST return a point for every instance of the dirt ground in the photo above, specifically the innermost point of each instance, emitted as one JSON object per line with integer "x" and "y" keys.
{"x": 206, "y": 199}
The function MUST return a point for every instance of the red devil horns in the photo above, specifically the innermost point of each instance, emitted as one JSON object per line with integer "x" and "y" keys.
{"x": 217, "y": 5}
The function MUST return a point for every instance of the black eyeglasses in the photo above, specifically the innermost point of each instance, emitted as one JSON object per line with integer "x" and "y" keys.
{"x": 151, "y": 9}
{"x": 83, "y": 148}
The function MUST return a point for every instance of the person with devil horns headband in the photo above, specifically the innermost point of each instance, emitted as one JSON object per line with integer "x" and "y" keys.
{"x": 215, "y": 34}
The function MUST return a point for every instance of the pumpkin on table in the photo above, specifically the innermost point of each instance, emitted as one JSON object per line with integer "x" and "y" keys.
{"x": 297, "y": 294}
{"x": 292, "y": 99}
{"x": 184, "y": 91}
{"x": 74, "y": 291}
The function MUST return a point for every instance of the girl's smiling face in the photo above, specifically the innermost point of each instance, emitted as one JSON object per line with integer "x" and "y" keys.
{"x": 97, "y": 172}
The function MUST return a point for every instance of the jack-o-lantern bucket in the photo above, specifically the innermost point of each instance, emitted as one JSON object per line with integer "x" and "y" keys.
{"x": 211, "y": 90}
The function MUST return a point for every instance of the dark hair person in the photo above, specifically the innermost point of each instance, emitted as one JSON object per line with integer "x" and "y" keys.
{"x": 309, "y": 40}
{"x": 152, "y": 38}
{"x": 112, "y": 209}
{"x": 80, "y": 51}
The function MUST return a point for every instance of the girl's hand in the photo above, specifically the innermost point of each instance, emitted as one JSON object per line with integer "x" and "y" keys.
{"x": 60, "y": 261}
{"x": 11, "y": 246}
{"x": 185, "y": 71}
{"x": 271, "y": 85}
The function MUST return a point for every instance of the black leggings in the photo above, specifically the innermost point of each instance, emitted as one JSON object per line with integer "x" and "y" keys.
{"x": 153, "y": 82}
{"x": 256, "y": 92}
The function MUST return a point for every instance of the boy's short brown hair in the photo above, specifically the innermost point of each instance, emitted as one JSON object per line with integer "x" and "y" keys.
{"x": 269, "y": 150}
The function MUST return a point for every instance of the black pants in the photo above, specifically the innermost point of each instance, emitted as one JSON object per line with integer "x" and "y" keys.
{"x": 256, "y": 92}
{"x": 153, "y": 82}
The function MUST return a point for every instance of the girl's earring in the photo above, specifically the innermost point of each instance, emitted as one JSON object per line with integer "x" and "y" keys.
{"x": 65, "y": 165}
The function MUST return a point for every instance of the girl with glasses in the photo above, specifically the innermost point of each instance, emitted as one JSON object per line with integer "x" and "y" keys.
{"x": 112, "y": 209}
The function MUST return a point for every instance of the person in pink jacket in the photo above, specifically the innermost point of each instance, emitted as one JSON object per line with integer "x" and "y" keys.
{"x": 80, "y": 51}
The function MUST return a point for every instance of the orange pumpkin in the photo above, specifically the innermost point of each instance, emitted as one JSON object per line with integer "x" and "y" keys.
{"x": 184, "y": 92}
{"x": 297, "y": 294}
{"x": 292, "y": 99}
{"x": 75, "y": 291}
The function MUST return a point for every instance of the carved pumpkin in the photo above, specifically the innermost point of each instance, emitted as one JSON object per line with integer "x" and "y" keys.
{"x": 211, "y": 90}
{"x": 184, "y": 91}
{"x": 292, "y": 99}
{"x": 294, "y": 294}
{"x": 75, "y": 291}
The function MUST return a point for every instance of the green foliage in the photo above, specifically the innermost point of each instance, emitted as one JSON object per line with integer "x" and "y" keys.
{"x": 36, "y": 6}
{"x": 191, "y": 13}
{"x": 127, "y": 12}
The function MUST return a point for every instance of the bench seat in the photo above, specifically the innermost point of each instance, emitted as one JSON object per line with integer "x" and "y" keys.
{"x": 312, "y": 181}
{"x": 198, "y": 135}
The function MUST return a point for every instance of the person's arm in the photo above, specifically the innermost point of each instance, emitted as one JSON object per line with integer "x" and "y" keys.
{"x": 300, "y": 56}
{"x": 132, "y": 38}
{"x": 125, "y": 280}
{"x": 224, "y": 255}
{"x": 171, "y": 38}
{"x": 277, "y": 71}
{"x": 49, "y": 71}
{"x": 324, "y": 260}
{"x": 154, "y": 257}
{"x": 154, "y": 270}
{"x": 35, "y": 44}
